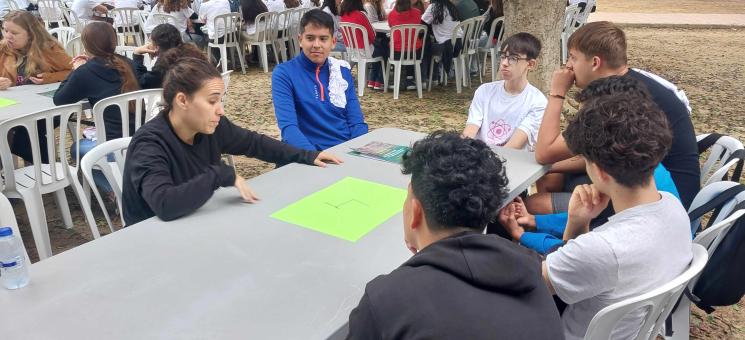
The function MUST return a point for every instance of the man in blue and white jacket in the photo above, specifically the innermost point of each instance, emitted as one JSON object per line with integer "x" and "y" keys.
{"x": 314, "y": 97}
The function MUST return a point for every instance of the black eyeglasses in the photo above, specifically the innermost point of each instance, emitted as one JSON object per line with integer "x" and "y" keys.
{"x": 511, "y": 59}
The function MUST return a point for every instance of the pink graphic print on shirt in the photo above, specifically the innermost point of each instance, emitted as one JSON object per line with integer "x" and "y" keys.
{"x": 499, "y": 131}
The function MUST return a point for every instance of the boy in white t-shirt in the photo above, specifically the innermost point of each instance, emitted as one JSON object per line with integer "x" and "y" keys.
{"x": 508, "y": 112}
{"x": 622, "y": 138}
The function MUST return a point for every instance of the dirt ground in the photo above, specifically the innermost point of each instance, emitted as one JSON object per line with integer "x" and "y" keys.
{"x": 707, "y": 64}
{"x": 672, "y": 6}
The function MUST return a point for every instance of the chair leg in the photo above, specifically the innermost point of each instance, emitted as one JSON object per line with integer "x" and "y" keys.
{"x": 37, "y": 219}
{"x": 224, "y": 58}
{"x": 87, "y": 207}
{"x": 64, "y": 207}
{"x": 242, "y": 59}
{"x": 458, "y": 76}
{"x": 418, "y": 78}
{"x": 396, "y": 80}
{"x": 431, "y": 70}
{"x": 385, "y": 73}
{"x": 494, "y": 64}
{"x": 681, "y": 320}
{"x": 264, "y": 57}
{"x": 361, "y": 77}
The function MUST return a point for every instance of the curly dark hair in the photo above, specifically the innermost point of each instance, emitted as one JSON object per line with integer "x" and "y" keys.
{"x": 459, "y": 181}
{"x": 626, "y": 135}
{"x": 613, "y": 85}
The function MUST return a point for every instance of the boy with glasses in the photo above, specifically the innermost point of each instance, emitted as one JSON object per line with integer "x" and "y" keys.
{"x": 508, "y": 112}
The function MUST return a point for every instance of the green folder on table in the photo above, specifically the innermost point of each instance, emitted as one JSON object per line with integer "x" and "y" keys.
{"x": 7, "y": 102}
{"x": 381, "y": 151}
{"x": 347, "y": 209}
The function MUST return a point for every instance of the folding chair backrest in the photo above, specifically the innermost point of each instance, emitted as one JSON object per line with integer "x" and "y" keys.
{"x": 724, "y": 154}
{"x": 495, "y": 38}
{"x": 293, "y": 29}
{"x": 570, "y": 18}
{"x": 356, "y": 49}
{"x": 408, "y": 36}
{"x": 51, "y": 11}
{"x": 720, "y": 197}
{"x": 49, "y": 174}
{"x": 264, "y": 30}
{"x": 585, "y": 14}
{"x": 142, "y": 99}
{"x": 8, "y": 219}
{"x": 463, "y": 31}
{"x": 63, "y": 34}
{"x": 475, "y": 33}
{"x": 73, "y": 20}
{"x": 231, "y": 24}
{"x": 109, "y": 158}
{"x": 126, "y": 18}
{"x": 657, "y": 304}
{"x": 13, "y": 6}
{"x": 74, "y": 46}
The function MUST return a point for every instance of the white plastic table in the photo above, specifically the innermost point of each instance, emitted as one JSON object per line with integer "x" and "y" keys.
{"x": 227, "y": 271}
{"x": 28, "y": 98}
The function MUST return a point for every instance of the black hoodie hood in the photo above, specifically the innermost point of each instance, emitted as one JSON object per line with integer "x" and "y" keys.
{"x": 108, "y": 74}
{"x": 485, "y": 261}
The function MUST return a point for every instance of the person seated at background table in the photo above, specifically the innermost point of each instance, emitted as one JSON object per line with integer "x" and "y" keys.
{"x": 174, "y": 161}
{"x": 460, "y": 283}
{"x": 508, "y": 112}
{"x": 332, "y": 8}
{"x": 443, "y": 17}
{"x": 353, "y": 11}
{"x": 250, "y": 9}
{"x": 183, "y": 15}
{"x": 647, "y": 243}
{"x": 495, "y": 10}
{"x": 275, "y": 5}
{"x": 598, "y": 50}
{"x": 89, "y": 10}
{"x": 165, "y": 45}
{"x": 467, "y": 9}
{"x": 29, "y": 55}
{"x": 208, "y": 11}
{"x": 313, "y": 94}
{"x": 374, "y": 10}
{"x": 404, "y": 14}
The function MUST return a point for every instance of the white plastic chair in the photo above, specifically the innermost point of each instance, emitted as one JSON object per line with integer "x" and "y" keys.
{"x": 360, "y": 52}
{"x": 52, "y": 11}
{"x": 142, "y": 17}
{"x": 293, "y": 31}
{"x": 13, "y": 6}
{"x": 657, "y": 304}
{"x": 127, "y": 20}
{"x": 30, "y": 182}
{"x": 263, "y": 37}
{"x": 73, "y": 21}
{"x": 585, "y": 14}
{"x": 63, "y": 34}
{"x": 282, "y": 30}
{"x": 716, "y": 165}
{"x": 143, "y": 99}
{"x": 464, "y": 32}
{"x": 570, "y": 23}
{"x": 409, "y": 36}
{"x": 471, "y": 39}
{"x": 492, "y": 47}
{"x": 98, "y": 159}
{"x": 231, "y": 39}
{"x": 129, "y": 51}
{"x": 74, "y": 46}
{"x": 8, "y": 219}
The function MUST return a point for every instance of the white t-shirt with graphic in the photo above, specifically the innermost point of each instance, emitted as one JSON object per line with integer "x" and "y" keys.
{"x": 500, "y": 114}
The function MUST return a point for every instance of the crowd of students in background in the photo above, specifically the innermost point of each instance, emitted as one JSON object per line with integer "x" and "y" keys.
{"x": 609, "y": 220}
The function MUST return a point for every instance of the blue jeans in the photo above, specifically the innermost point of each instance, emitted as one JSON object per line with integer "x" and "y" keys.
{"x": 87, "y": 145}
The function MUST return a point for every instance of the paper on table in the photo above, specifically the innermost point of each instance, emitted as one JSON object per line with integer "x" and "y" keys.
{"x": 7, "y": 102}
{"x": 347, "y": 209}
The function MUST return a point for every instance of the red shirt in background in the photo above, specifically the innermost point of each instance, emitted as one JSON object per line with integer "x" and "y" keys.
{"x": 411, "y": 17}
{"x": 357, "y": 17}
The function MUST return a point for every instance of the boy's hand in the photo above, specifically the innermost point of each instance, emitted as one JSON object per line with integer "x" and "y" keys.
{"x": 562, "y": 81}
{"x": 586, "y": 203}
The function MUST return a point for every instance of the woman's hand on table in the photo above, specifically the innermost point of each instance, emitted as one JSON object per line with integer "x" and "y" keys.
{"x": 246, "y": 193}
{"x": 326, "y": 158}
{"x": 4, "y": 83}
{"x": 39, "y": 79}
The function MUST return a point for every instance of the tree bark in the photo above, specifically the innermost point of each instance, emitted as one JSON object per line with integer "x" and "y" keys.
{"x": 544, "y": 19}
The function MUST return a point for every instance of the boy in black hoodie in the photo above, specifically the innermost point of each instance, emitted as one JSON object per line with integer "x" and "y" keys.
{"x": 460, "y": 283}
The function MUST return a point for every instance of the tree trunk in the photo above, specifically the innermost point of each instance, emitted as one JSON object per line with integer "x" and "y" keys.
{"x": 544, "y": 19}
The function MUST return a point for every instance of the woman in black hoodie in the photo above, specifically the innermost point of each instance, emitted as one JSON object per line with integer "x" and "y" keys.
{"x": 100, "y": 73}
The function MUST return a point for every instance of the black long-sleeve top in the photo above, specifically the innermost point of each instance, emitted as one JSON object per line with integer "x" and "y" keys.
{"x": 148, "y": 79}
{"x": 165, "y": 177}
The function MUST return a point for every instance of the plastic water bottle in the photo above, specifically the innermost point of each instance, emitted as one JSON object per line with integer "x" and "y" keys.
{"x": 13, "y": 268}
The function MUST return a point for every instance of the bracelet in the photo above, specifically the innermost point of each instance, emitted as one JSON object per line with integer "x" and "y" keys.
{"x": 557, "y": 96}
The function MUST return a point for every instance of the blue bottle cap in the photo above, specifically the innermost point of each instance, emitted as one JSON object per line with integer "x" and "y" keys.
{"x": 6, "y": 231}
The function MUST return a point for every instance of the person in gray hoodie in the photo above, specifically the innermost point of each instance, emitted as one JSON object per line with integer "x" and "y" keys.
{"x": 460, "y": 283}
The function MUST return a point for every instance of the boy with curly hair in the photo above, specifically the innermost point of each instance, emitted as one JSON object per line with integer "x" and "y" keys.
{"x": 622, "y": 138}
{"x": 460, "y": 283}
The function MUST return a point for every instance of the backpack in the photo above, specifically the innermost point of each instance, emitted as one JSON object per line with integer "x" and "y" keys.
{"x": 706, "y": 143}
{"x": 722, "y": 282}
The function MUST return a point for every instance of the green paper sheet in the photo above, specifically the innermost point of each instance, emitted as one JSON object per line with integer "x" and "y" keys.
{"x": 347, "y": 209}
{"x": 6, "y": 102}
